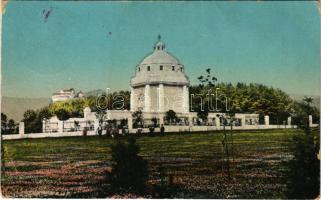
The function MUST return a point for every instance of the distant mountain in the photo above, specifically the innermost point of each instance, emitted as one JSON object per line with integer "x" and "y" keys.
{"x": 300, "y": 97}
{"x": 14, "y": 107}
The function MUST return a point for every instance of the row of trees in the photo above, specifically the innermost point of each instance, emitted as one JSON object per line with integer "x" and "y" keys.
{"x": 244, "y": 98}
{"x": 8, "y": 126}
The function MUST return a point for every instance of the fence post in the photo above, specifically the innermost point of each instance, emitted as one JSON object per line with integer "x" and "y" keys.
{"x": 217, "y": 122}
{"x": 310, "y": 121}
{"x": 190, "y": 121}
{"x": 96, "y": 124}
{"x": 243, "y": 121}
{"x": 60, "y": 126}
{"x": 43, "y": 125}
{"x": 266, "y": 120}
{"x": 21, "y": 128}
{"x": 289, "y": 121}
{"x": 161, "y": 120}
{"x": 130, "y": 124}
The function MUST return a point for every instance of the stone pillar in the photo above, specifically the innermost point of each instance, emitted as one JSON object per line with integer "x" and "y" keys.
{"x": 310, "y": 120}
{"x": 161, "y": 120}
{"x": 185, "y": 99}
{"x": 96, "y": 125}
{"x": 60, "y": 126}
{"x": 243, "y": 121}
{"x": 132, "y": 99}
{"x": 147, "y": 99}
{"x": 87, "y": 112}
{"x": 21, "y": 128}
{"x": 190, "y": 120}
{"x": 266, "y": 120}
{"x": 289, "y": 121}
{"x": 130, "y": 123}
{"x": 43, "y": 125}
{"x": 161, "y": 98}
{"x": 217, "y": 122}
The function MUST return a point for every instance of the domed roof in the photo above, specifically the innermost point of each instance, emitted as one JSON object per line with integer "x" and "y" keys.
{"x": 160, "y": 56}
{"x": 159, "y": 67}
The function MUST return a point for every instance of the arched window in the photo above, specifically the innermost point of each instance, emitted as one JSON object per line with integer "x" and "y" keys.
{"x": 148, "y": 68}
{"x": 139, "y": 69}
{"x": 182, "y": 69}
{"x": 161, "y": 67}
{"x": 173, "y": 68}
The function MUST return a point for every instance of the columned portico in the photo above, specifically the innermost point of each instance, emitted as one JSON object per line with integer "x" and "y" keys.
{"x": 161, "y": 98}
{"x": 132, "y": 99}
{"x": 185, "y": 99}
{"x": 147, "y": 99}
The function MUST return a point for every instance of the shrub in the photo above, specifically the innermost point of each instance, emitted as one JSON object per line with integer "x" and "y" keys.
{"x": 129, "y": 170}
{"x": 304, "y": 169}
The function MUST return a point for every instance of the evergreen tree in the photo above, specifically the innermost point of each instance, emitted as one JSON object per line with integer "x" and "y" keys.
{"x": 129, "y": 170}
{"x": 303, "y": 179}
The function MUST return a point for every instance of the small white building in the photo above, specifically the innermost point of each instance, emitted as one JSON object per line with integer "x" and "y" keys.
{"x": 63, "y": 95}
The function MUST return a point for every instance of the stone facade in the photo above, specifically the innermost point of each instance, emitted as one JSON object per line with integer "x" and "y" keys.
{"x": 160, "y": 83}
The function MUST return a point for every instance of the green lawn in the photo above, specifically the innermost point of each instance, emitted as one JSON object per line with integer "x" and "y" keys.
{"x": 75, "y": 166}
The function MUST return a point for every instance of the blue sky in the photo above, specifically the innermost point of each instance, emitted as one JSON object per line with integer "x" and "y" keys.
{"x": 274, "y": 43}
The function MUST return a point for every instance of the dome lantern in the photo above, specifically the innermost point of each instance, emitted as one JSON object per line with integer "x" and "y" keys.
{"x": 159, "y": 46}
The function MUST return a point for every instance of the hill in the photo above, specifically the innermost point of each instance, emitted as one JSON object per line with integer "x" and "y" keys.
{"x": 14, "y": 107}
{"x": 299, "y": 97}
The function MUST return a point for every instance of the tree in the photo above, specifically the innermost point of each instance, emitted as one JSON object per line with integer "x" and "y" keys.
{"x": 62, "y": 114}
{"x": 243, "y": 98}
{"x": 301, "y": 110}
{"x": 33, "y": 123}
{"x": 308, "y": 100}
{"x": 154, "y": 120}
{"x": 45, "y": 114}
{"x": 129, "y": 170}
{"x": 101, "y": 115}
{"x": 4, "y": 120}
{"x": 11, "y": 125}
{"x": 137, "y": 119}
{"x": 202, "y": 105}
{"x": 170, "y": 116}
{"x": 123, "y": 123}
{"x": 202, "y": 114}
{"x": 207, "y": 79}
{"x": 29, "y": 116}
{"x": 303, "y": 178}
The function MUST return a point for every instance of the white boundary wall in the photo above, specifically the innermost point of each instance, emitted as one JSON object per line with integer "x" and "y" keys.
{"x": 146, "y": 130}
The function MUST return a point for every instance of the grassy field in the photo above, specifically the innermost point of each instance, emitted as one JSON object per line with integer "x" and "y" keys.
{"x": 75, "y": 166}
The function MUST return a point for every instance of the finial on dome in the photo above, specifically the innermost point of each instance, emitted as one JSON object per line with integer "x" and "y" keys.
{"x": 159, "y": 45}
